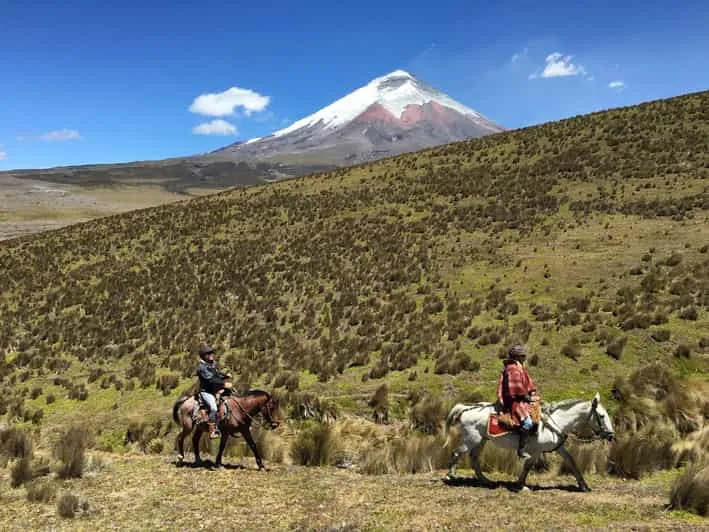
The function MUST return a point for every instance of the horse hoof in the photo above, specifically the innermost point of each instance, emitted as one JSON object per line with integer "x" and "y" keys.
{"x": 585, "y": 489}
{"x": 525, "y": 489}
{"x": 180, "y": 458}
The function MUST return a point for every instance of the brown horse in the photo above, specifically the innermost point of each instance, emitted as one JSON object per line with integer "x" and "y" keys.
{"x": 241, "y": 411}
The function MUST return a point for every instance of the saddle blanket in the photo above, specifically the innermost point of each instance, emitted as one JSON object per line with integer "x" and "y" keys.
{"x": 495, "y": 428}
{"x": 200, "y": 411}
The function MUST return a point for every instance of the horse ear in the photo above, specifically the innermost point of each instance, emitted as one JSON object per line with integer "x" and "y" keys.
{"x": 596, "y": 399}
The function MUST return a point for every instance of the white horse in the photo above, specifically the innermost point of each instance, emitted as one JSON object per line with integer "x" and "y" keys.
{"x": 558, "y": 419}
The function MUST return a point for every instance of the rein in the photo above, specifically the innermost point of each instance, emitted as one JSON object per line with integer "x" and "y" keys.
{"x": 263, "y": 421}
{"x": 551, "y": 424}
{"x": 553, "y": 427}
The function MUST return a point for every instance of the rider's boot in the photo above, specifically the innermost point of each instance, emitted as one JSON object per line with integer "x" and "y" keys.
{"x": 213, "y": 432}
{"x": 523, "y": 437}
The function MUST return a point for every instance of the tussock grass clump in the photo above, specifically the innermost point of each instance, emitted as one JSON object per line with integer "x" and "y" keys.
{"x": 147, "y": 435}
{"x": 652, "y": 395}
{"x": 693, "y": 448}
{"x": 379, "y": 403}
{"x": 69, "y": 450}
{"x": 427, "y": 415}
{"x": 167, "y": 383}
{"x": 407, "y": 453}
{"x": 67, "y": 505}
{"x": 314, "y": 446}
{"x": 21, "y": 472}
{"x": 690, "y": 490}
{"x": 14, "y": 443}
{"x": 497, "y": 459}
{"x": 616, "y": 346}
{"x": 589, "y": 457}
{"x": 648, "y": 450}
{"x": 41, "y": 491}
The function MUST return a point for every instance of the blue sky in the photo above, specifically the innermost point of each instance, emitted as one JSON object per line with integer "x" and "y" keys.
{"x": 85, "y": 83}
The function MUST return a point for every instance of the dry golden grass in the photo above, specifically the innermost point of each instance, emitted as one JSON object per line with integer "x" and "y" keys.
{"x": 150, "y": 493}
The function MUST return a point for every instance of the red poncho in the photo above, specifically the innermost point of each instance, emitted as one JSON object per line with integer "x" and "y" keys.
{"x": 514, "y": 384}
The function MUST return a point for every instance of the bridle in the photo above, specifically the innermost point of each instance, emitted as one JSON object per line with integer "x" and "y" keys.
{"x": 267, "y": 418}
{"x": 600, "y": 434}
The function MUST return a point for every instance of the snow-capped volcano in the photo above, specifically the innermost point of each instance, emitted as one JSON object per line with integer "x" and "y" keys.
{"x": 392, "y": 114}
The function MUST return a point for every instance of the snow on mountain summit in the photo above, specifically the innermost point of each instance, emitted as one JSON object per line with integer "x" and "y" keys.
{"x": 392, "y": 114}
{"x": 394, "y": 92}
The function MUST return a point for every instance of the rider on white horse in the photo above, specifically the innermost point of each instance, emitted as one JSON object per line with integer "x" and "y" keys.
{"x": 515, "y": 390}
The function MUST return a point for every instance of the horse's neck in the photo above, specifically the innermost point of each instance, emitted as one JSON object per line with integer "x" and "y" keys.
{"x": 570, "y": 418}
{"x": 250, "y": 403}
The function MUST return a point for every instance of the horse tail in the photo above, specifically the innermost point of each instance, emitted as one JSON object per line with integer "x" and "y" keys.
{"x": 176, "y": 408}
{"x": 453, "y": 418}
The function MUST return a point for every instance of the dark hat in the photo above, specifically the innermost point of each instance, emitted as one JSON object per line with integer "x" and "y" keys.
{"x": 205, "y": 350}
{"x": 517, "y": 352}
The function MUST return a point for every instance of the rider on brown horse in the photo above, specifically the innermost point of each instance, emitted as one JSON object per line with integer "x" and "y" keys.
{"x": 211, "y": 382}
{"x": 516, "y": 390}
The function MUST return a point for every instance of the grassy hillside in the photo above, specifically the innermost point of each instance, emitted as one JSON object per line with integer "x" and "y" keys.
{"x": 388, "y": 291}
{"x": 585, "y": 238}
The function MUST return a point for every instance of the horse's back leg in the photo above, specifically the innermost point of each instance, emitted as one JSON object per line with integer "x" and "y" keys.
{"x": 475, "y": 453}
{"x": 196, "y": 435}
{"x": 252, "y": 445}
{"x": 455, "y": 456}
{"x": 180, "y": 441}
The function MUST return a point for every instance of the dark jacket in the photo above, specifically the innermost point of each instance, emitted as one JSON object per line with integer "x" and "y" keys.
{"x": 211, "y": 380}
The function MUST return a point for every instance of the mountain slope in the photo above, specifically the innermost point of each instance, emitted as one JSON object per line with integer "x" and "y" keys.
{"x": 586, "y": 239}
{"x": 392, "y": 114}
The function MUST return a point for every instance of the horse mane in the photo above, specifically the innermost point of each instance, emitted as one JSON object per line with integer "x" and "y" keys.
{"x": 564, "y": 403}
{"x": 257, "y": 392}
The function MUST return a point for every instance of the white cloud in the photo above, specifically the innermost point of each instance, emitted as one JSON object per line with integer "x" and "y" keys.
{"x": 60, "y": 134}
{"x": 3, "y": 155}
{"x": 52, "y": 136}
{"x": 215, "y": 127}
{"x": 559, "y": 65}
{"x": 517, "y": 57}
{"x": 225, "y": 103}
{"x": 619, "y": 85}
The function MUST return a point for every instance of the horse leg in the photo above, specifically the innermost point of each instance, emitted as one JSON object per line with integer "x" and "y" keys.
{"x": 475, "y": 453}
{"x": 455, "y": 456}
{"x": 252, "y": 445}
{"x": 186, "y": 429}
{"x": 195, "y": 443}
{"x": 222, "y": 446}
{"x": 522, "y": 480}
{"x": 577, "y": 473}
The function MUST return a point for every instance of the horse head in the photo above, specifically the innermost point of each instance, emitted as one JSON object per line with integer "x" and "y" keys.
{"x": 268, "y": 409}
{"x": 599, "y": 420}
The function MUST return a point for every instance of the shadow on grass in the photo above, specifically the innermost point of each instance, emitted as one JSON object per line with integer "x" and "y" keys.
{"x": 506, "y": 484}
{"x": 206, "y": 464}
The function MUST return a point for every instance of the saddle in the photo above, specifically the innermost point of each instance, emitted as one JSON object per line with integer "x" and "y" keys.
{"x": 201, "y": 411}
{"x": 501, "y": 422}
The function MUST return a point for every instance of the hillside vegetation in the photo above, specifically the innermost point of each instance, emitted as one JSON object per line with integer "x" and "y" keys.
{"x": 586, "y": 239}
